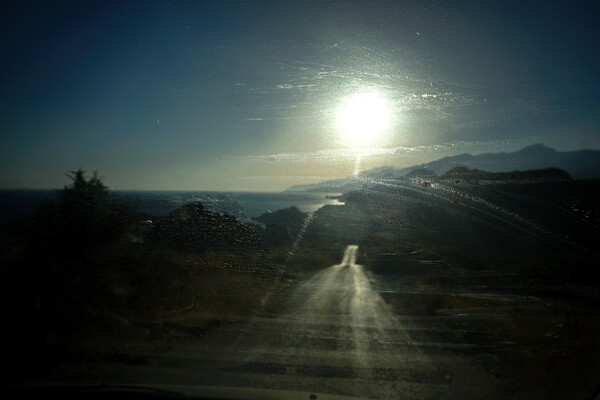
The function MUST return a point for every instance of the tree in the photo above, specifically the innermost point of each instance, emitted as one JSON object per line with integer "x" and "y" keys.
{"x": 82, "y": 192}
{"x": 86, "y": 216}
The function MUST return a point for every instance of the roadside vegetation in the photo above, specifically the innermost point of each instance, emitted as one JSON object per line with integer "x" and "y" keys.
{"x": 91, "y": 279}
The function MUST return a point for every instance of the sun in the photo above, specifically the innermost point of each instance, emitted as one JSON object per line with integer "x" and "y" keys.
{"x": 362, "y": 119}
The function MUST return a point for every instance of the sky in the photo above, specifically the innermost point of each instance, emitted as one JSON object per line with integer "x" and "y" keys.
{"x": 246, "y": 95}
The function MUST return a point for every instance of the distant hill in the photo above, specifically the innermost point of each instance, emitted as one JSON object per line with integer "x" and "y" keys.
{"x": 582, "y": 164}
{"x": 290, "y": 217}
{"x": 192, "y": 227}
{"x": 536, "y": 161}
{"x": 330, "y": 186}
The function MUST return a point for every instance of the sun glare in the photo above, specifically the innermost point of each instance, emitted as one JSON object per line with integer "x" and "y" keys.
{"x": 362, "y": 119}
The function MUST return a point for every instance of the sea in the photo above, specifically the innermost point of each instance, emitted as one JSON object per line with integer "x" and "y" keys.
{"x": 23, "y": 203}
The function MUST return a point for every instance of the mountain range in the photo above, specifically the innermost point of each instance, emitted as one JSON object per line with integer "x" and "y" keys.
{"x": 581, "y": 164}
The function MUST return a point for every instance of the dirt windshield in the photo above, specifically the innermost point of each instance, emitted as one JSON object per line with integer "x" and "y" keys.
{"x": 365, "y": 199}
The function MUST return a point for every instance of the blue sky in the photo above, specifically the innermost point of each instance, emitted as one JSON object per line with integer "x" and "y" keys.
{"x": 243, "y": 95}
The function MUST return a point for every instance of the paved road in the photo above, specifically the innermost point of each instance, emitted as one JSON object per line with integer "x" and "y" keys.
{"x": 337, "y": 335}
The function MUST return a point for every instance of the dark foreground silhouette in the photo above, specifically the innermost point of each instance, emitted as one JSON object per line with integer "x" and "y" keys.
{"x": 463, "y": 289}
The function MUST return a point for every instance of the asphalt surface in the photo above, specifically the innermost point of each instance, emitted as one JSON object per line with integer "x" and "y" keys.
{"x": 337, "y": 335}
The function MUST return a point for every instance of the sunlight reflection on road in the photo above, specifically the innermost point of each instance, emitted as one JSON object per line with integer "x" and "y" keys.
{"x": 342, "y": 301}
{"x": 338, "y": 310}
{"x": 337, "y": 335}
